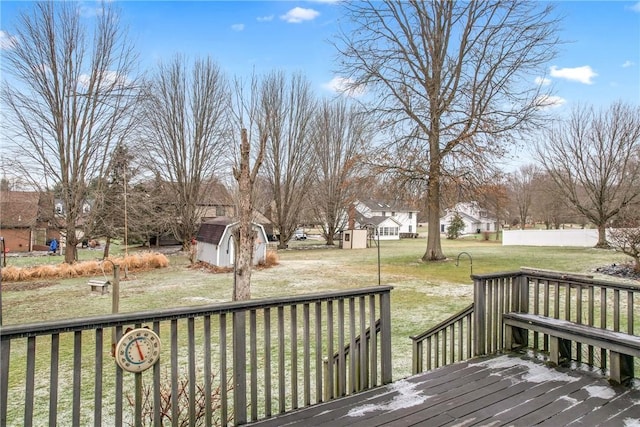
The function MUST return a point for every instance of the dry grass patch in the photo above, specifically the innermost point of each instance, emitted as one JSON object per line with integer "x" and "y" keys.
{"x": 138, "y": 262}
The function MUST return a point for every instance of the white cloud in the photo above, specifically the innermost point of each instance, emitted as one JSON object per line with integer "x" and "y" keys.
{"x": 627, "y": 64}
{"x": 299, "y": 14}
{"x": 265, "y": 18}
{"x": 542, "y": 81}
{"x": 547, "y": 102}
{"x": 109, "y": 78}
{"x": 6, "y": 41}
{"x": 237, "y": 27}
{"x": 636, "y": 7}
{"x": 344, "y": 86}
{"x": 582, "y": 74}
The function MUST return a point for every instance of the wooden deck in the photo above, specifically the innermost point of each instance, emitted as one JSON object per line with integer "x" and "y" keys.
{"x": 503, "y": 390}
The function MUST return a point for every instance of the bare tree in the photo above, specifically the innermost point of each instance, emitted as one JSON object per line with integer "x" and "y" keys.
{"x": 70, "y": 101}
{"x": 593, "y": 158}
{"x": 252, "y": 120}
{"x": 108, "y": 217}
{"x": 627, "y": 241}
{"x": 454, "y": 80}
{"x": 186, "y": 135}
{"x": 288, "y": 104}
{"x": 341, "y": 135}
{"x": 493, "y": 196}
{"x": 522, "y": 188}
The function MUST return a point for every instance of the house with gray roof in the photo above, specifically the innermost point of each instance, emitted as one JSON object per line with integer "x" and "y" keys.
{"x": 391, "y": 220}
{"x": 475, "y": 218}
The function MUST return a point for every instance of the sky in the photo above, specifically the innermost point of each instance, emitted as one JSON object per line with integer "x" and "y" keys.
{"x": 598, "y": 64}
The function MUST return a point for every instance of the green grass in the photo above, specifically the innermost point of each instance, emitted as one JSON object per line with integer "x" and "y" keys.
{"x": 424, "y": 293}
{"x": 301, "y": 271}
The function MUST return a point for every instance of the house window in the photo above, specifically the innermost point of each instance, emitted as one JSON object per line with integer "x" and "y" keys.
{"x": 393, "y": 214}
{"x": 410, "y": 215}
{"x": 384, "y": 213}
{"x": 411, "y": 229}
{"x": 219, "y": 210}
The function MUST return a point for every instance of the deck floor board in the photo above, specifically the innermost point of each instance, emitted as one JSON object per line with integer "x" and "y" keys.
{"x": 501, "y": 390}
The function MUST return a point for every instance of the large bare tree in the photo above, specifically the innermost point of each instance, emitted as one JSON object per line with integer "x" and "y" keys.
{"x": 288, "y": 103}
{"x": 69, "y": 100}
{"x": 341, "y": 135}
{"x": 454, "y": 80}
{"x": 522, "y": 188}
{"x": 186, "y": 135}
{"x": 593, "y": 158}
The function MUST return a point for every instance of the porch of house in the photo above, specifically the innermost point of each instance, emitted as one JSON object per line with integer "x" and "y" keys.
{"x": 325, "y": 359}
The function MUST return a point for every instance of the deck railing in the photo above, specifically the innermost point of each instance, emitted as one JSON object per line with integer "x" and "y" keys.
{"x": 220, "y": 364}
{"x": 578, "y": 298}
{"x": 448, "y": 342}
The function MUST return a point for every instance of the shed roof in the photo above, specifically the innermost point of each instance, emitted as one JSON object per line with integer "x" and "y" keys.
{"x": 211, "y": 230}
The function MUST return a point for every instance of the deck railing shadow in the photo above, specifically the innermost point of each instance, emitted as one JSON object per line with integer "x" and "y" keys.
{"x": 227, "y": 363}
{"x": 581, "y": 299}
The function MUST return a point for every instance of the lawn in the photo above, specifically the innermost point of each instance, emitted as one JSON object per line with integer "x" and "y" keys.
{"x": 423, "y": 295}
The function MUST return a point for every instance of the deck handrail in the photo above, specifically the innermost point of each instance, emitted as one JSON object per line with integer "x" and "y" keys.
{"x": 580, "y": 298}
{"x": 244, "y": 361}
{"x": 441, "y": 351}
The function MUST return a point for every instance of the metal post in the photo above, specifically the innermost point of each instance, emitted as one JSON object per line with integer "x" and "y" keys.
{"x": 378, "y": 232}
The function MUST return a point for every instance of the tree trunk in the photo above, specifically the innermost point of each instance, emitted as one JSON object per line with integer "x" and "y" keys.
{"x": 71, "y": 241}
{"x": 602, "y": 237}
{"x": 434, "y": 247}
{"x": 244, "y": 236}
{"x": 105, "y": 253}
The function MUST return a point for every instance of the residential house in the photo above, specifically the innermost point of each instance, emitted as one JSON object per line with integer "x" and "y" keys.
{"x": 25, "y": 220}
{"x": 215, "y": 243}
{"x": 475, "y": 218}
{"x": 391, "y": 220}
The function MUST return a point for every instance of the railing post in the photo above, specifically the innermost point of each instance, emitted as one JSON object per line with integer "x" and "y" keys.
{"x": 385, "y": 337}
{"x": 479, "y": 315}
{"x": 523, "y": 285}
{"x": 239, "y": 368}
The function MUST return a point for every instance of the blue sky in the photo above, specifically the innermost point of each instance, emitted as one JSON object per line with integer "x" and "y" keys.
{"x": 599, "y": 64}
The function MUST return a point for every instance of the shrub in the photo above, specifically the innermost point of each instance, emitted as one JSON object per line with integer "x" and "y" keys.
{"x": 182, "y": 417}
{"x": 82, "y": 269}
{"x": 456, "y": 225}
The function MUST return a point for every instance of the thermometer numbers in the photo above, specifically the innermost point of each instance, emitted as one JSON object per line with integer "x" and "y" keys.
{"x": 138, "y": 350}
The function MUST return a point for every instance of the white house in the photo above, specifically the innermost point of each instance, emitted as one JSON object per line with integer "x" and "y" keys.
{"x": 475, "y": 218}
{"x": 215, "y": 244}
{"x": 392, "y": 221}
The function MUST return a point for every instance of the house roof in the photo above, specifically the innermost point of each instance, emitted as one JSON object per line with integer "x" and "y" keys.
{"x": 374, "y": 220}
{"x": 19, "y": 208}
{"x": 214, "y": 193}
{"x": 380, "y": 205}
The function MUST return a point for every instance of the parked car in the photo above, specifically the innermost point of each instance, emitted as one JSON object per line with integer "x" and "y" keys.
{"x": 300, "y": 235}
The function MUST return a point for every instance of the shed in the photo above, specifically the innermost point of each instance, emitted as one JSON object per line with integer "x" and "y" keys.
{"x": 215, "y": 243}
{"x": 354, "y": 239}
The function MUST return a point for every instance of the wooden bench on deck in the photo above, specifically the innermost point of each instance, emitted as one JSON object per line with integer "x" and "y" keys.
{"x": 622, "y": 347}
{"x": 99, "y": 285}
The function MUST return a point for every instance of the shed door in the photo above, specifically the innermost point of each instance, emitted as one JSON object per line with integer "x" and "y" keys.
{"x": 232, "y": 251}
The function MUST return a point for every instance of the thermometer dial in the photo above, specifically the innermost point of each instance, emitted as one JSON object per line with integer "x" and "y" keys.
{"x": 138, "y": 350}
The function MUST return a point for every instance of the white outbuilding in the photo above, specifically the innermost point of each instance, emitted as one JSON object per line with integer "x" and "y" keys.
{"x": 215, "y": 243}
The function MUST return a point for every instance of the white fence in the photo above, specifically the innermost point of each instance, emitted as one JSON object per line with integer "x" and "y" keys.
{"x": 578, "y": 237}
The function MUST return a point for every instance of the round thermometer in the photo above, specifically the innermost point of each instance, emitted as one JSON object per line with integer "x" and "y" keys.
{"x": 138, "y": 350}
